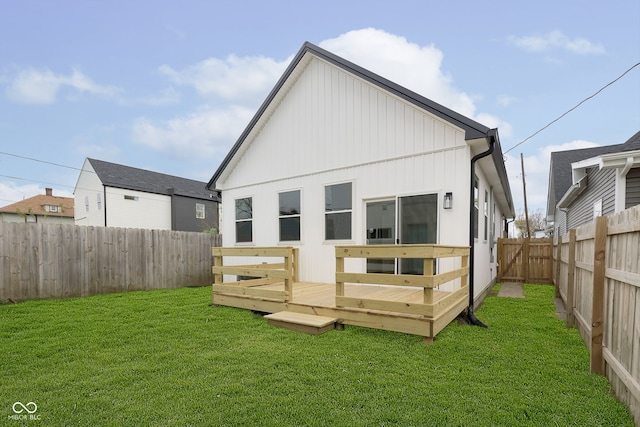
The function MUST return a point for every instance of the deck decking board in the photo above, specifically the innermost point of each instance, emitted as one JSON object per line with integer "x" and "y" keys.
{"x": 320, "y": 299}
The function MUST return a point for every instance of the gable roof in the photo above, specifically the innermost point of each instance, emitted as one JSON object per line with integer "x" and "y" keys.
{"x": 473, "y": 129}
{"x": 130, "y": 178}
{"x": 35, "y": 205}
{"x": 560, "y": 170}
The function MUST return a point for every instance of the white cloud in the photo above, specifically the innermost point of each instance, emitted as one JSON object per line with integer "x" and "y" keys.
{"x": 536, "y": 167}
{"x": 32, "y": 86}
{"x": 200, "y": 134}
{"x": 233, "y": 77}
{"x": 413, "y": 66}
{"x": 557, "y": 40}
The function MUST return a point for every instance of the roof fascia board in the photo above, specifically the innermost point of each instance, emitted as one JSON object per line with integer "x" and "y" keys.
{"x": 572, "y": 193}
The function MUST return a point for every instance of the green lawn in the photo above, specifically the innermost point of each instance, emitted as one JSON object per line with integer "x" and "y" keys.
{"x": 168, "y": 358}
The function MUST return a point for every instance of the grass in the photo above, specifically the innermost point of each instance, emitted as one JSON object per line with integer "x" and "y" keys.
{"x": 167, "y": 358}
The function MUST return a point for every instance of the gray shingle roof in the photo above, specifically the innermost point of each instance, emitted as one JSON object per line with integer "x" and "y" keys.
{"x": 130, "y": 178}
{"x": 561, "y": 162}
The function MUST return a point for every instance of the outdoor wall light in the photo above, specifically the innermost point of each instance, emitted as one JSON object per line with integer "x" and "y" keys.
{"x": 448, "y": 200}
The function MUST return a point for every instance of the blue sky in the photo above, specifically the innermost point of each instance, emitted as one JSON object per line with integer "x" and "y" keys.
{"x": 169, "y": 86}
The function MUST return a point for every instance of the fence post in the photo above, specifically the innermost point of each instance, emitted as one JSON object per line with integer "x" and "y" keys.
{"x": 558, "y": 261}
{"x": 599, "y": 264}
{"x": 571, "y": 274}
{"x": 501, "y": 257}
{"x": 525, "y": 259}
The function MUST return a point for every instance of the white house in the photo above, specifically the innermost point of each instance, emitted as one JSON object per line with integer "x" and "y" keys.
{"x": 339, "y": 155}
{"x": 113, "y": 195}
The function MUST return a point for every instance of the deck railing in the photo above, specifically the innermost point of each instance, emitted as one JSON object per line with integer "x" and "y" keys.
{"x": 260, "y": 273}
{"x": 428, "y": 280}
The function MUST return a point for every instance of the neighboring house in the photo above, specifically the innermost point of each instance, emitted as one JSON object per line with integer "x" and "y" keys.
{"x": 45, "y": 208}
{"x": 339, "y": 155}
{"x": 113, "y": 195}
{"x": 590, "y": 182}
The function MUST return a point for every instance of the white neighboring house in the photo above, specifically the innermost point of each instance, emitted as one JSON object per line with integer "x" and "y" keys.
{"x": 113, "y": 195}
{"x": 339, "y": 155}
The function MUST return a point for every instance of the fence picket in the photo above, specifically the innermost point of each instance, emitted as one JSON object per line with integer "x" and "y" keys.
{"x": 60, "y": 261}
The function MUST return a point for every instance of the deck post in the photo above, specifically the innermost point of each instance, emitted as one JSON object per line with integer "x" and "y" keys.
{"x": 217, "y": 278}
{"x": 428, "y": 271}
{"x": 289, "y": 267}
{"x": 339, "y": 269}
{"x": 295, "y": 264}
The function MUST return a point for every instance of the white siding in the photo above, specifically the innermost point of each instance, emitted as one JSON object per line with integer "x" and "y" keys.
{"x": 87, "y": 189}
{"x": 151, "y": 211}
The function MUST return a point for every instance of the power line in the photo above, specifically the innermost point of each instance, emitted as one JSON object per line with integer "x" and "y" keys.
{"x": 570, "y": 110}
{"x": 39, "y": 161}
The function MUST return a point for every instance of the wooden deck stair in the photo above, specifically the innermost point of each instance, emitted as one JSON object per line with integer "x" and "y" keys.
{"x": 300, "y": 322}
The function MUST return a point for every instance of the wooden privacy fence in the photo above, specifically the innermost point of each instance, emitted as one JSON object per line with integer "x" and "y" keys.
{"x": 427, "y": 281}
{"x": 597, "y": 274}
{"x": 60, "y": 260}
{"x": 256, "y": 274}
{"x": 525, "y": 260}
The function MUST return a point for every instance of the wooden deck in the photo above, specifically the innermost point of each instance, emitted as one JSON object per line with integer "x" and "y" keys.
{"x": 416, "y": 309}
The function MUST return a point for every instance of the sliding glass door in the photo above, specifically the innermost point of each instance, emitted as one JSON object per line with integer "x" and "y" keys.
{"x": 381, "y": 230}
{"x": 418, "y": 223}
{"x": 405, "y": 220}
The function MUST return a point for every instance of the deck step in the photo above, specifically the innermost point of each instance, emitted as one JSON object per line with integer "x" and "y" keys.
{"x": 300, "y": 322}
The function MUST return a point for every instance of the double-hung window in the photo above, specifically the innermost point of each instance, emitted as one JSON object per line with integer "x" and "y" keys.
{"x": 289, "y": 215}
{"x": 244, "y": 220}
{"x": 200, "y": 212}
{"x": 337, "y": 211}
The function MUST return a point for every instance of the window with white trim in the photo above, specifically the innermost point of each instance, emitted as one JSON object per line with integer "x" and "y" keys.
{"x": 476, "y": 206}
{"x": 99, "y": 200}
{"x": 486, "y": 214}
{"x": 289, "y": 215}
{"x": 244, "y": 220}
{"x": 200, "y": 212}
{"x": 597, "y": 208}
{"x": 337, "y": 211}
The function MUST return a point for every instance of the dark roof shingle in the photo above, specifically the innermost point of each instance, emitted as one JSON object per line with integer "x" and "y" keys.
{"x": 130, "y": 178}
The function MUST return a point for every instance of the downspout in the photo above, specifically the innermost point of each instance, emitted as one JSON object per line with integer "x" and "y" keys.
{"x": 104, "y": 203}
{"x": 470, "y": 317}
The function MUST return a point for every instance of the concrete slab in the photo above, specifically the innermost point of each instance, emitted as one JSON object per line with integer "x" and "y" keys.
{"x": 511, "y": 290}
{"x": 561, "y": 311}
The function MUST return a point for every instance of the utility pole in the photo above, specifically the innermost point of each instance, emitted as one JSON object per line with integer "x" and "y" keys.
{"x": 524, "y": 188}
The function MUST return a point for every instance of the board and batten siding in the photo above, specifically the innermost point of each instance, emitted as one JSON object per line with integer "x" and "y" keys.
{"x": 632, "y": 194}
{"x": 600, "y": 185}
{"x": 333, "y": 127}
{"x": 329, "y": 120}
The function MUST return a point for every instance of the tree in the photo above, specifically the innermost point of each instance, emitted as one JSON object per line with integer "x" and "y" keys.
{"x": 537, "y": 222}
